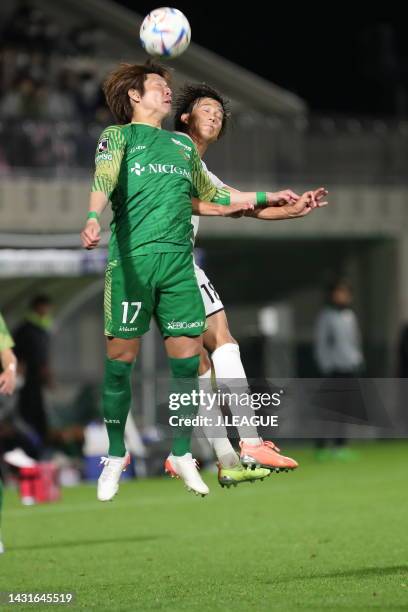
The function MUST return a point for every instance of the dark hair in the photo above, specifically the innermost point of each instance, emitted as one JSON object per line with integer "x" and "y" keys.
{"x": 40, "y": 300}
{"x": 123, "y": 78}
{"x": 188, "y": 97}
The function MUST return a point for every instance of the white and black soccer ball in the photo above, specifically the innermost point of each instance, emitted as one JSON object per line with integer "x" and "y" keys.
{"x": 165, "y": 32}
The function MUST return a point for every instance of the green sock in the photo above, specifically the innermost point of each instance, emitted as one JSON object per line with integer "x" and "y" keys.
{"x": 185, "y": 380}
{"x": 116, "y": 398}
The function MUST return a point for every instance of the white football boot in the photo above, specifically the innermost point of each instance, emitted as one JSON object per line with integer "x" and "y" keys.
{"x": 19, "y": 458}
{"x": 185, "y": 467}
{"x": 108, "y": 481}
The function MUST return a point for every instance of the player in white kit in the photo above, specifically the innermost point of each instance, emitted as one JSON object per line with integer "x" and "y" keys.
{"x": 202, "y": 113}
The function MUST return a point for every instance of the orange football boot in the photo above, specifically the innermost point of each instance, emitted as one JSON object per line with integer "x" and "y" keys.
{"x": 266, "y": 455}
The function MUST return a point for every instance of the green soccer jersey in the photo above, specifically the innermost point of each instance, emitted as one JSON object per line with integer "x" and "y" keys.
{"x": 6, "y": 341}
{"x": 150, "y": 176}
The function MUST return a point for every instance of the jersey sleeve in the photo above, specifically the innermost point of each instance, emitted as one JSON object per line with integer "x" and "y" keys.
{"x": 214, "y": 179}
{"x": 108, "y": 158}
{"x": 6, "y": 341}
{"x": 203, "y": 188}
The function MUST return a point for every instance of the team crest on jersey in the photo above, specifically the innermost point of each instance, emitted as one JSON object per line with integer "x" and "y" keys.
{"x": 103, "y": 145}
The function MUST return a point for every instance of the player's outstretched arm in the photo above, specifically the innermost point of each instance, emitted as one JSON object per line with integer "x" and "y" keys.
{"x": 206, "y": 191}
{"x": 274, "y": 198}
{"x": 209, "y": 209}
{"x": 277, "y": 198}
{"x": 302, "y": 207}
{"x": 286, "y": 196}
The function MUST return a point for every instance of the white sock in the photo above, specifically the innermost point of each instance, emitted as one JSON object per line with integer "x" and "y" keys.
{"x": 216, "y": 435}
{"x": 225, "y": 452}
{"x": 227, "y": 362}
{"x": 228, "y": 366}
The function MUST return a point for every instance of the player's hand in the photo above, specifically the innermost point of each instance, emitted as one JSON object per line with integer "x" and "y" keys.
{"x": 281, "y": 198}
{"x": 7, "y": 382}
{"x": 319, "y": 196}
{"x": 236, "y": 210}
{"x": 307, "y": 202}
{"x": 91, "y": 234}
{"x": 302, "y": 207}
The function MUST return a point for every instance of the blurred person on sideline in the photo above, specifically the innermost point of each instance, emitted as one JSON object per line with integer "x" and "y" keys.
{"x": 338, "y": 352}
{"x": 32, "y": 347}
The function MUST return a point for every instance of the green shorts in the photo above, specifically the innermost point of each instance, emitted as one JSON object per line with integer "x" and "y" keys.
{"x": 162, "y": 285}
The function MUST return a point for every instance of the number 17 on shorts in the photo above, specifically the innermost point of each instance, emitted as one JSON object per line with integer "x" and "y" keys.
{"x": 126, "y": 314}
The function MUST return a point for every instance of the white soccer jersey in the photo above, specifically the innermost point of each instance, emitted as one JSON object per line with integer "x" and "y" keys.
{"x": 211, "y": 299}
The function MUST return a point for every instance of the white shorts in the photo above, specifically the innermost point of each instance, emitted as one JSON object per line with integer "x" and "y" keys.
{"x": 211, "y": 299}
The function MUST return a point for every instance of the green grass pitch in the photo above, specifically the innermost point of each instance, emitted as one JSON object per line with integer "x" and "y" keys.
{"x": 331, "y": 536}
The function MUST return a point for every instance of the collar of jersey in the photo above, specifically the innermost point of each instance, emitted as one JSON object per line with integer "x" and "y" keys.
{"x": 148, "y": 124}
{"x": 184, "y": 134}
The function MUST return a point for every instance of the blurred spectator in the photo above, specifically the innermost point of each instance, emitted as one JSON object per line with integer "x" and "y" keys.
{"x": 48, "y": 112}
{"x": 338, "y": 338}
{"x": 32, "y": 340}
{"x": 37, "y": 66}
{"x": 17, "y": 145}
{"x": 86, "y": 38}
{"x": 21, "y": 100}
{"x": 29, "y": 28}
{"x": 61, "y": 102}
{"x": 89, "y": 94}
{"x": 338, "y": 348}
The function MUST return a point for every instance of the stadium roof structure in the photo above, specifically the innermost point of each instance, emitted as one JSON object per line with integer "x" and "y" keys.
{"x": 243, "y": 87}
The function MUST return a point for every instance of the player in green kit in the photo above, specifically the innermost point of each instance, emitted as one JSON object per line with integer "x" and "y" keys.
{"x": 150, "y": 176}
{"x": 8, "y": 374}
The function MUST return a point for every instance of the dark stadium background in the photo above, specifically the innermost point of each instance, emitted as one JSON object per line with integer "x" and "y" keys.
{"x": 336, "y": 58}
{"x": 330, "y": 536}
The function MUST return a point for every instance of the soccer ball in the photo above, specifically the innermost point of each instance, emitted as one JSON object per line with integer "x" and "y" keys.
{"x": 165, "y": 32}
